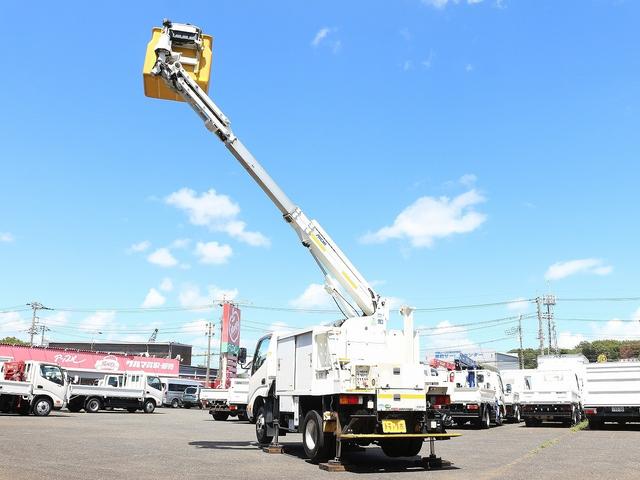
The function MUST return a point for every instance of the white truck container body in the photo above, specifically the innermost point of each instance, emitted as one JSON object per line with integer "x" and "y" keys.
{"x": 131, "y": 391}
{"x": 227, "y": 402}
{"x": 612, "y": 393}
{"x": 478, "y": 397}
{"x": 43, "y": 388}
{"x": 555, "y": 395}
{"x": 515, "y": 382}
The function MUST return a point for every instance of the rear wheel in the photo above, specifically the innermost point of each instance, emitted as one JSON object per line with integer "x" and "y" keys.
{"x": 595, "y": 424}
{"x": 261, "y": 427}
{"x": 531, "y": 422}
{"x": 401, "y": 447}
{"x": 92, "y": 406}
{"x": 485, "y": 421}
{"x": 220, "y": 416}
{"x": 318, "y": 446}
{"x": 175, "y": 403}
{"x": 42, "y": 407}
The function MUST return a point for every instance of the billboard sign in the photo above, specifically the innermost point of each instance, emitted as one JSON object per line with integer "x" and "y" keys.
{"x": 92, "y": 361}
{"x": 230, "y": 329}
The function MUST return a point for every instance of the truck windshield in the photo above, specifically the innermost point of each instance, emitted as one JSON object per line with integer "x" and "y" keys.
{"x": 154, "y": 382}
{"x": 52, "y": 373}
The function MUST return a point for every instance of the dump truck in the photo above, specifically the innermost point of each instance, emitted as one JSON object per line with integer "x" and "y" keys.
{"x": 352, "y": 381}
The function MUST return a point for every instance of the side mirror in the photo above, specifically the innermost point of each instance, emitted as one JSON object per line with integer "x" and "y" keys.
{"x": 242, "y": 355}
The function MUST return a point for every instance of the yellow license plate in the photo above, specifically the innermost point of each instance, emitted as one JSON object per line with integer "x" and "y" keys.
{"x": 394, "y": 426}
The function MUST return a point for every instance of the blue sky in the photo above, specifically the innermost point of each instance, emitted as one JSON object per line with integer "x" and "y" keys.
{"x": 459, "y": 153}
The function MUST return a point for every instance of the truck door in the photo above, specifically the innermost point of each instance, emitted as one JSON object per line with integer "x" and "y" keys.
{"x": 259, "y": 381}
{"x": 50, "y": 380}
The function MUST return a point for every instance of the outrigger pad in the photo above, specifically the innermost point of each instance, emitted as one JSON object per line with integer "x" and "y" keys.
{"x": 273, "y": 449}
{"x": 434, "y": 463}
{"x": 332, "y": 466}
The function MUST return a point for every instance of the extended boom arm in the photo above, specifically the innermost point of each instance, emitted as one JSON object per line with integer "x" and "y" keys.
{"x": 334, "y": 264}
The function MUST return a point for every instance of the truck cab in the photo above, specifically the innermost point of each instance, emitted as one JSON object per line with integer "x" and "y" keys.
{"x": 32, "y": 387}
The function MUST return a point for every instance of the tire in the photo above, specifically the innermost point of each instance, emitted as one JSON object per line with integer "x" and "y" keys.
{"x": 261, "y": 427}
{"x": 175, "y": 403}
{"x": 92, "y": 405}
{"x": 220, "y": 416}
{"x": 186, "y": 406}
{"x": 516, "y": 415}
{"x": 149, "y": 406}
{"x": 132, "y": 410}
{"x": 74, "y": 408}
{"x": 531, "y": 422}
{"x": 402, "y": 447}
{"x": 42, "y": 407}
{"x": 485, "y": 421}
{"x": 318, "y": 446}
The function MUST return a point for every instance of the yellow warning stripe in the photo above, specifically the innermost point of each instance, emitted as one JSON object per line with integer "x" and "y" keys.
{"x": 400, "y": 435}
{"x": 353, "y": 285}
{"x": 317, "y": 242}
{"x": 404, "y": 396}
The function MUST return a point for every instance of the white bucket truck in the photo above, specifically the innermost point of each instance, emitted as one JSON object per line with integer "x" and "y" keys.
{"x": 612, "y": 393}
{"x": 32, "y": 387}
{"x": 354, "y": 381}
{"x": 131, "y": 391}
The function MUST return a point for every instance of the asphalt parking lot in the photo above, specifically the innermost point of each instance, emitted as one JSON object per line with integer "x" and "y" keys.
{"x": 189, "y": 444}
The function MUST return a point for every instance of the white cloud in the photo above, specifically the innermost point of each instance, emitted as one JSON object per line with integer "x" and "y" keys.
{"x": 468, "y": 180}
{"x": 519, "y": 305}
{"x": 139, "y": 247}
{"x": 6, "y": 237}
{"x": 440, "y": 4}
{"x": 591, "y": 266}
{"x": 166, "y": 285}
{"x": 468, "y": 67}
{"x": 163, "y": 258}
{"x": 569, "y": 340}
{"x": 322, "y": 37}
{"x": 445, "y": 336}
{"x": 636, "y": 315}
{"x": 191, "y": 296}
{"x": 98, "y": 321}
{"x": 13, "y": 324}
{"x": 57, "y": 319}
{"x": 181, "y": 243}
{"x": 429, "y": 218}
{"x": 314, "y": 296}
{"x": 196, "y": 326}
{"x": 153, "y": 299}
{"x": 212, "y": 253}
{"x": 217, "y": 212}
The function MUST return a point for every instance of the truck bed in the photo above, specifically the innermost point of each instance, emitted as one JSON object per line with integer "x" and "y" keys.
{"x": 472, "y": 395}
{"x": 612, "y": 385}
{"x": 98, "y": 391}
{"x": 549, "y": 397}
{"x": 9, "y": 387}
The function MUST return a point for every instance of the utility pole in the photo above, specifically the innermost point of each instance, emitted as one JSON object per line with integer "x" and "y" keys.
{"x": 35, "y": 306}
{"x": 521, "y": 356}
{"x": 549, "y": 301}
{"x": 540, "y": 329}
{"x": 209, "y": 335}
{"x": 43, "y": 328}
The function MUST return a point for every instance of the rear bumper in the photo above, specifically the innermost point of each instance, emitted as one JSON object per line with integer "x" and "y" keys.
{"x": 460, "y": 410}
{"x": 628, "y": 414}
{"x": 547, "y": 411}
{"x": 223, "y": 407}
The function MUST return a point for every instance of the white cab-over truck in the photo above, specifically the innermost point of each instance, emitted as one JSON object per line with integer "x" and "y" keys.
{"x": 555, "y": 395}
{"x": 354, "y": 381}
{"x": 515, "y": 382}
{"x": 131, "y": 391}
{"x": 227, "y": 402}
{"x": 612, "y": 393}
{"x": 477, "y": 397}
{"x": 32, "y": 387}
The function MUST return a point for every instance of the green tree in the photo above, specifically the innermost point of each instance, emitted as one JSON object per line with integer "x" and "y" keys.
{"x": 13, "y": 341}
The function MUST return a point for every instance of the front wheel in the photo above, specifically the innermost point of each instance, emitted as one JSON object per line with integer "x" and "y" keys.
{"x": 149, "y": 406}
{"x": 402, "y": 447}
{"x": 318, "y": 446}
{"x": 42, "y": 407}
{"x": 261, "y": 427}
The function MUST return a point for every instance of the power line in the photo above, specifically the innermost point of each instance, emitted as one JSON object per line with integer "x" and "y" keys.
{"x": 472, "y": 324}
{"x": 467, "y": 344}
{"x": 476, "y": 305}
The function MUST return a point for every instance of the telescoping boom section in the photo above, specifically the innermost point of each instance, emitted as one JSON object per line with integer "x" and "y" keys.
{"x": 177, "y": 67}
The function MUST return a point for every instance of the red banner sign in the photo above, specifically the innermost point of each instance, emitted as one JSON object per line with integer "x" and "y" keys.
{"x": 92, "y": 361}
{"x": 230, "y": 328}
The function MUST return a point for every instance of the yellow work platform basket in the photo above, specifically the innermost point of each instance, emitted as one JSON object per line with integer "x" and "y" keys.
{"x": 196, "y": 62}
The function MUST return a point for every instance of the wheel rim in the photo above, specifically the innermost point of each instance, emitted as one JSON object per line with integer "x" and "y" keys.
{"x": 42, "y": 407}
{"x": 487, "y": 418}
{"x": 93, "y": 405}
{"x": 260, "y": 424}
{"x": 518, "y": 415}
{"x": 310, "y": 435}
